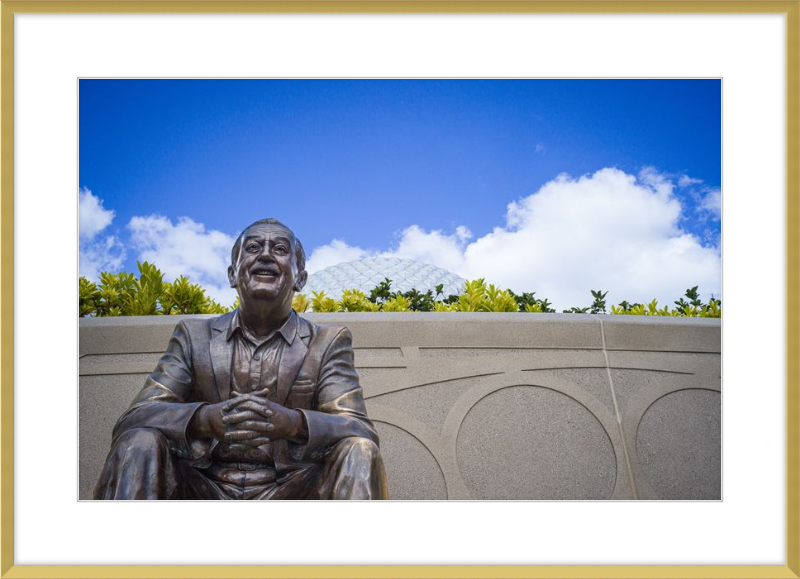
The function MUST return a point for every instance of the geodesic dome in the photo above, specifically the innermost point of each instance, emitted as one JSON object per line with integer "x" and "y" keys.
{"x": 365, "y": 274}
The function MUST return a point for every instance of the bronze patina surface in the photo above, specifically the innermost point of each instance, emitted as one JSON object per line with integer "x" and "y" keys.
{"x": 255, "y": 404}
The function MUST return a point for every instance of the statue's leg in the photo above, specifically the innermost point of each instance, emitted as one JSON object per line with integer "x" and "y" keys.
{"x": 353, "y": 470}
{"x": 139, "y": 466}
{"x": 196, "y": 484}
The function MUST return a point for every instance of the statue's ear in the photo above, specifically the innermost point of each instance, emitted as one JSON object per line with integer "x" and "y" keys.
{"x": 232, "y": 276}
{"x": 300, "y": 282}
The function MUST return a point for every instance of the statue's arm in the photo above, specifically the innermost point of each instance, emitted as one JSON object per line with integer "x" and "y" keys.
{"x": 340, "y": 410}
{"x": 164, "y": 403}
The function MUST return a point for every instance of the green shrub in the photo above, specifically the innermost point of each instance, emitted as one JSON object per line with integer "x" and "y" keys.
{"x": 123, "y": 294}
{"x": 322, "y": 303}
{"x": 301, "y": 303}
{"x": 398, "y": 303}
{"x": 354, "y": 300}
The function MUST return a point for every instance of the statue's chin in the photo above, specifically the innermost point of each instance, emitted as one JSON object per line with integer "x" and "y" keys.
{"x": 264, "y": 293}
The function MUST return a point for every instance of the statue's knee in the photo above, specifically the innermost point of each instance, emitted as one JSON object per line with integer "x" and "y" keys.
{"x": 144, "y": 440}
{"x": 360, "y": 446}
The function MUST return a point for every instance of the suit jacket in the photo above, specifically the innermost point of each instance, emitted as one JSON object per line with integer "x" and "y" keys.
{"x": 316, "y": 375}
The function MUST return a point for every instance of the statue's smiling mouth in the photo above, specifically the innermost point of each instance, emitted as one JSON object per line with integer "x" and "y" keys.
{"x": 265, "y": 271}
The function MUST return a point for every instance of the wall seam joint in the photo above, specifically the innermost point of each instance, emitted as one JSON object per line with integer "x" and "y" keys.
{"x": 616, "y": 411}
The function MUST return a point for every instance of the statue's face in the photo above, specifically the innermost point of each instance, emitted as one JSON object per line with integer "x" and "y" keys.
{"x": 266, "y": 268}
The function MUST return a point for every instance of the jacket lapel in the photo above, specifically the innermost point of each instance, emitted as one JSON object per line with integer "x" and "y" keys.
{"x": 221, "y": 352}
{"x": 294, "y": 354}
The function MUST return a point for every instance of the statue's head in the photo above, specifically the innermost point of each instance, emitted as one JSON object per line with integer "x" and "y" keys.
{"x": 267, "y": 263}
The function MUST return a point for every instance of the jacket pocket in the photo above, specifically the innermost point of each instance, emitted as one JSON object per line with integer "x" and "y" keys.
{"x": 301, "y": 394}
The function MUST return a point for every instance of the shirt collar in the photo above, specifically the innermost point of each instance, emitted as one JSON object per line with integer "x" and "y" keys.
{"x": 287, "y": 330}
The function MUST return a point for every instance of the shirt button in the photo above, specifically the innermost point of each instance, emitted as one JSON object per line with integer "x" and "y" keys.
{"x": 257, "y": 356}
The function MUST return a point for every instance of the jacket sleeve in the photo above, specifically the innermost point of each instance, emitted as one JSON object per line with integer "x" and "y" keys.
{"x": 163, "y": 403}
{"x": 339, "y": 411}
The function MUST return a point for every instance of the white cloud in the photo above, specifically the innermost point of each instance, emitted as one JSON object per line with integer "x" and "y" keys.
{"x": 712, "y": 203}
{"x": 92, "y": 216}
{"x": 96, "y": 253}
{"x": 185, "y": 248}
{"x": 337, "y": 251}
{"x": 659, "y": 183}
{"x": 434, "y": 247}
{"x": 686, "y": 181}
{"x": 607, "y": 231}
{"x": 103, "y": 254}
{"x": 539, "y": 149}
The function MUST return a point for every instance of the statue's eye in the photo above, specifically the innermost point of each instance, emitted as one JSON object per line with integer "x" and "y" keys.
{"x": 252, "y": 247}
{"x": 280, "y": 250}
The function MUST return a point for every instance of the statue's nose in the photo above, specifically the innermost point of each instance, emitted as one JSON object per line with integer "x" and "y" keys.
{"x": 266, "y": 256}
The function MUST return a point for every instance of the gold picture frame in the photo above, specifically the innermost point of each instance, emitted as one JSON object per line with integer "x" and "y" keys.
{"x": 791, "y": 10}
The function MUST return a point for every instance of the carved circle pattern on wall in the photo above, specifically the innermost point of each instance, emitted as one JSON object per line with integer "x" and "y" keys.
{"x": 546, "y": 446}
{"x": 678, "y": 443}
{"x": 421, "y": 477}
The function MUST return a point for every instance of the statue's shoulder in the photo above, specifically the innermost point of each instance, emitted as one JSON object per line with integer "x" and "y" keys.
{"x": 205, "y": 328}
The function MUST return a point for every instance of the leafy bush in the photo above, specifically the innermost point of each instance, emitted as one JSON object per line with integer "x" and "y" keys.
{"x": 354, "y": 300}
{"x": 691, "y": 309}
{"x": 321, "y": 303}
{"x": 123, "y": 294}
{"x": 398, "y": 303}
{"x": 301, "y": 303}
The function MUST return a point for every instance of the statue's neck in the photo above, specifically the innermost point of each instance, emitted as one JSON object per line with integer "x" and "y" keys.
{"x": 263, "y": 318}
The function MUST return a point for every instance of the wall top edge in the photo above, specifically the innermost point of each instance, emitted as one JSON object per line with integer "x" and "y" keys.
{"x": 416, "y": 317}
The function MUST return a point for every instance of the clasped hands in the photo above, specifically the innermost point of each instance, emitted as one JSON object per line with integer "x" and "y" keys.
{"x": 249, "y": 419}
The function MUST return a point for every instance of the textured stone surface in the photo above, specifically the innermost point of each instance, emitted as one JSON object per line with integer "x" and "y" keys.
{"x": 687, "y": 362}
{"x": 95, "y": 364}
{"x": 471, "y": 352}
{"x": 567, "y": 358}
{"x": 369, "y": 376}
{"x": 679, "y": 445}
{"x": 592, "y": 380}
{"x": 429, "y": 404}
{"x": 127, "y": 334}
{"x": 533, "y": 443}
{"x": 630, "y": 384}
{"x": 468, "y": 330}
{"x": 102, "y": 400}
{"x": 361, "y": 353}
{"x": 662, "y": 334}
{"x": 411, "y": 470}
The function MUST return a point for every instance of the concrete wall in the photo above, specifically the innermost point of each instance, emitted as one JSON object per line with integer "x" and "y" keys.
{"x": 489, "y": 406}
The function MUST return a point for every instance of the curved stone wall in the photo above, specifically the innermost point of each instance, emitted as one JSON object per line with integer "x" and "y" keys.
{"x": 490, "y": 406}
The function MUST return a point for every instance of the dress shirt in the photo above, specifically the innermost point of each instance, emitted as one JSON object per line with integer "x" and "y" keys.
{"x": 254, "y": 366}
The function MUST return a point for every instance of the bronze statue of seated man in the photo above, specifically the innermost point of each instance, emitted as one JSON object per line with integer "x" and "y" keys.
{"x": 255, "y": 404}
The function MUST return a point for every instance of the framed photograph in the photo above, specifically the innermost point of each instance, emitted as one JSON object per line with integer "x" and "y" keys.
{"x": 73, "y": 71}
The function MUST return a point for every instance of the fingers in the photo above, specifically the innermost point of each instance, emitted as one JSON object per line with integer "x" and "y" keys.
{"x": 252, "y": 405}
{"x": 254, "y": 425}
{"x": 242, "y": 399}
{"x": 245, "y": 419}
{"x": 258, "y": 441}
{"x": 260, "y": 393}
{"x": 247, "y": 445}
{"x": 237, "y": 417}
{"x": 246, "y": 436}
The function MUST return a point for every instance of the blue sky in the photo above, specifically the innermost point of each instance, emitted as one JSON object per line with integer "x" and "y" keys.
{"x": 557, "y": 186}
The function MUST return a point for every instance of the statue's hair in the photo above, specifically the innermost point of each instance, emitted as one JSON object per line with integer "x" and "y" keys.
{"x": 299, "y": 252}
